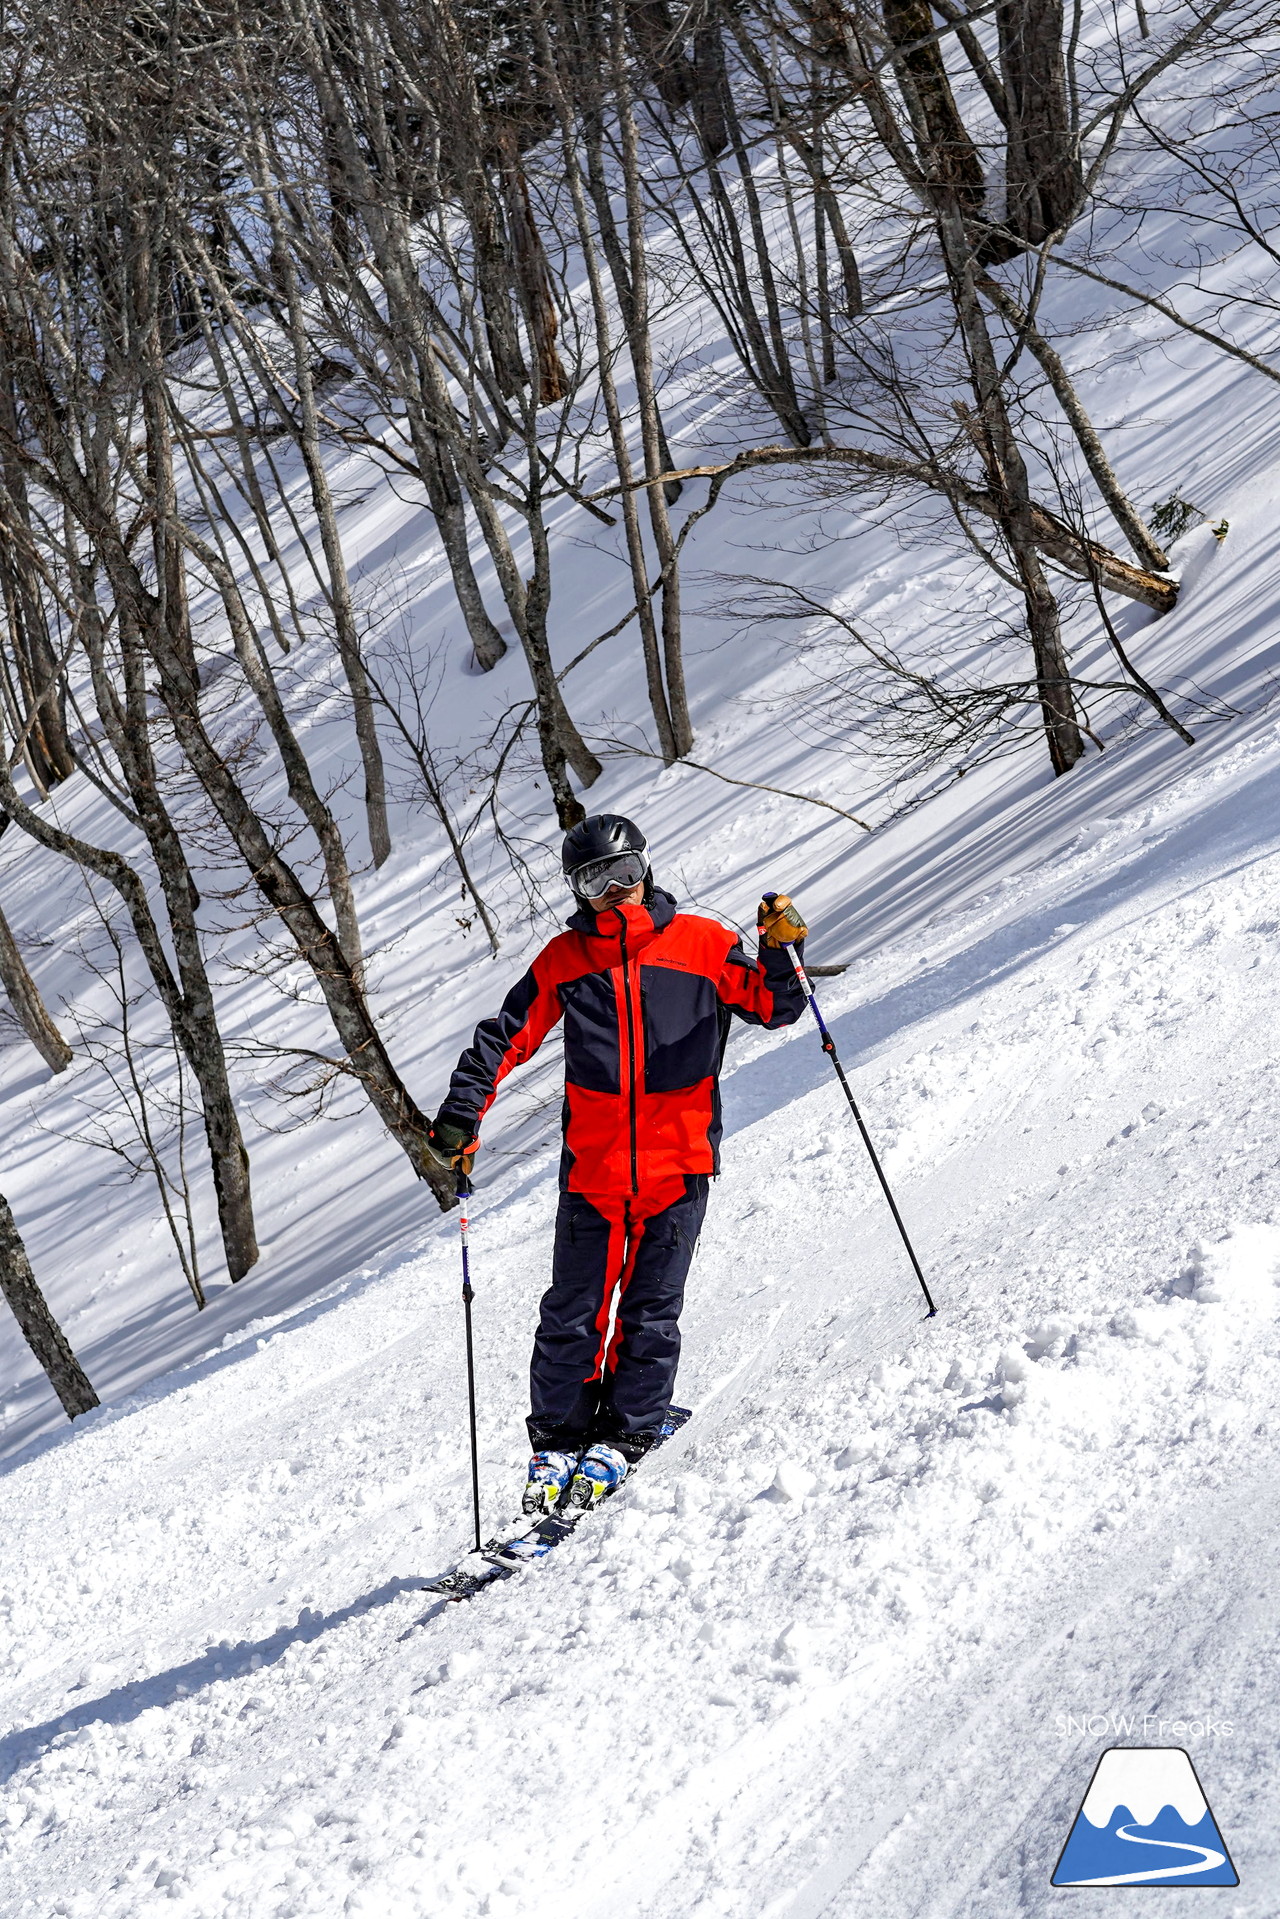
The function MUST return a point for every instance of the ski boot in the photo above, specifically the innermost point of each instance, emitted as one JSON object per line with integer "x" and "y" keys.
{"x": 601, "y": 1471}
{"x": 550, "y": 1474}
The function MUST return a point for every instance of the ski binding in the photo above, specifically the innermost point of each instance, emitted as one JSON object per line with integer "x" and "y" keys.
{"x": 504, "y": 1557}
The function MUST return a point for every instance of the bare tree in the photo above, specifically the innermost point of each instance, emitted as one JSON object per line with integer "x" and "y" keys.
{"x": 636, "y": 331}
{"x": 39, "y": 1327}
{"x": 89, "y": 362}
{"x": 463, "y": 384}
{"x": 863, "y": 94}
{"x": 137, "y": 1107}
{"x": 31, "y": 672}
{"x": 304, "y": 420}
{"x": 24, "y": 306}
{"x": 28, "y": 1007}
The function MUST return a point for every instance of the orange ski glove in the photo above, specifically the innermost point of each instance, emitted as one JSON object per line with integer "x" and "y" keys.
{"x": 778, "y": 922}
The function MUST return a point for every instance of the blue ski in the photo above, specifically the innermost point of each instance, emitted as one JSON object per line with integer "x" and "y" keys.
{"x": 503, "y": 1557}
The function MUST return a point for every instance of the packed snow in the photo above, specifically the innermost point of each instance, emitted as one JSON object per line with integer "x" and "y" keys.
{"x": 851, "y": 1645}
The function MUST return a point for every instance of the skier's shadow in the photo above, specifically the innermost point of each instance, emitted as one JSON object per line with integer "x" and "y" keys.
{"x": 125, "y": 1703}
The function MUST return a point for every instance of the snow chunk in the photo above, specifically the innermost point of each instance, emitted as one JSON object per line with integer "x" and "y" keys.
{"x": 792, "y": 1482}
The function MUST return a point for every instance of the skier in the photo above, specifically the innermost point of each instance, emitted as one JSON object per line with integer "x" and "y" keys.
{"x": 647, "y": 995}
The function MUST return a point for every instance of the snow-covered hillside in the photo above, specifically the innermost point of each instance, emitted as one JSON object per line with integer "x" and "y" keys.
{"x": 850, "y": 1647}
{"x": 818, "y": 1660}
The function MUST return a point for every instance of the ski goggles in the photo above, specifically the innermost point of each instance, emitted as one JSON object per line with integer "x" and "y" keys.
{"x": 625, "y": 870}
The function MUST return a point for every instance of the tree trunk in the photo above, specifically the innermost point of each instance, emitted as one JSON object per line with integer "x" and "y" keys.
{"x": 44, "y": 736}
{"x": 941, "y": 135}
{"x": 617, "y": 429}
{"x": 812, "y": 151}
{"x": 279, "y": 885}
{"x": 773, "y": 357}
{"x": 173, "y": 534}
{"x": 444, "y": 495}
{"x": 641, "y": 344}
{"x": 559, "y": 738}
{"x": 277, "y": 881}
{"x": 171, "y": 578}
{"x": 1043, "y": 180}
{"x": 657, "y": 39}
{"x": 28, "y": 1008}
{"x": 611, "y": 245}
{"x": 1009, "y": 481}
{"x": 530, "y": 265}
{"x": 1086, "y": 559}
{"x": 974, "y": 53}
{"x": 947, "y": 162}
{"x": 706, "y": 99}
{"x": 465, "y": 131}
{"x": 39, "y": 1327}
{"x": 317, "y": 944}
{"x": 345, "y": 636}
{"x": 1053, "y": 676}
{"x": 302, "y": 788}
{"x": 191, "y": 1011}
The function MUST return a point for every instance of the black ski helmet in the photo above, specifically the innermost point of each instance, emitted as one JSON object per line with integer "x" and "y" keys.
{"x": 603, "y": 836}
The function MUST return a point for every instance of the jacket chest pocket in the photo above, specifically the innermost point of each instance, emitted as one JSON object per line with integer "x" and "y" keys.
{"x": 679, "y": 1015}
{"x": 591, "y": 1037}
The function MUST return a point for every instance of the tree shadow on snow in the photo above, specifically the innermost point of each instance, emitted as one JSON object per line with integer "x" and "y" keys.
{"x": 123, "y": 1704}
{"x": 1222, "y": 839}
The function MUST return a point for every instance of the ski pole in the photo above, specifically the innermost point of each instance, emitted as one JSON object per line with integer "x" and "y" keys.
{"x": 464, "y": 1194}
{"x": 829, "y": 1047}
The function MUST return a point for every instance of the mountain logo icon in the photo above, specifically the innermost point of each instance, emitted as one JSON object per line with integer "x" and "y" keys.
{"x": 1145, "y": 1822}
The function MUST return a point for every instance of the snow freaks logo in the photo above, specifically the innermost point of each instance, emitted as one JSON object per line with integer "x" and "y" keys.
{"x": 1145, "y": 1822}
{"x": 1124, "y": 1725}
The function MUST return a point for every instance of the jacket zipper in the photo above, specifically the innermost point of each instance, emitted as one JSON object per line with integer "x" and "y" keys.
{"x": 631, "y": 1052}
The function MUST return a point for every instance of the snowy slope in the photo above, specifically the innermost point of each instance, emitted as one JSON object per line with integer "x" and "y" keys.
{"x": 815, "y": 1662}
{"x": 830, "y": 1655}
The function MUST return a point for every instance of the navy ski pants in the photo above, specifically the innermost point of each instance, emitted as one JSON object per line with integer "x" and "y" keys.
{"x": 608, "y": 1339}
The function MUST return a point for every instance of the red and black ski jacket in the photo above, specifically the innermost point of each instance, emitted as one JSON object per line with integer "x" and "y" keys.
{"x": 646, "y": 996}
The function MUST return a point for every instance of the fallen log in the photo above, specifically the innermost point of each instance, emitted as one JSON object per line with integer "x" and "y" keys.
{"x": 1074, "y": 552}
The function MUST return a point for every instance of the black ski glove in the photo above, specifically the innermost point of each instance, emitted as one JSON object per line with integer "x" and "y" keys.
{"x": 452, "y": 1145}
{"x": 778, "y": 921}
